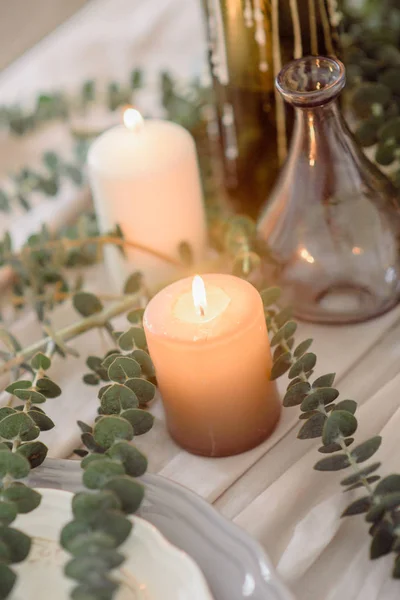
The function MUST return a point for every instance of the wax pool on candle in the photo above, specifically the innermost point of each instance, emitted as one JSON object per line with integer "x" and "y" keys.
{"x": 144, "y": 176}
{"x": 213, "y": 363}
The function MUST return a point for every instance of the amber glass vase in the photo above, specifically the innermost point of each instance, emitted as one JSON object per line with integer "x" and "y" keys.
{"x": 332, "y": 222}
{"x": 249, "y": 40}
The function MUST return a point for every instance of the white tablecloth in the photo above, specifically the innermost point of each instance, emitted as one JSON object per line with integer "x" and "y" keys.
{"x": 271, "y": 491}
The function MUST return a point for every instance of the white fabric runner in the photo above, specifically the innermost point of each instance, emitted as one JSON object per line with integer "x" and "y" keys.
{"x": 271, "y": 491}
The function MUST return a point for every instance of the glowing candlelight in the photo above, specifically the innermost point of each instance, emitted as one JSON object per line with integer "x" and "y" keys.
{"x": 199, "y": 295}
{"x": 133, "y": 120}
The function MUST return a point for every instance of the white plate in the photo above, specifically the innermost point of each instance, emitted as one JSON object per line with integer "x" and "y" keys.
{"x": 154, "y": 569}
{"x": 234, "y": 564}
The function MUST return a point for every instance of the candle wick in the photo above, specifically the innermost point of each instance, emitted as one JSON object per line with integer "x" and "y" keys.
{"x": 201, "y": 310}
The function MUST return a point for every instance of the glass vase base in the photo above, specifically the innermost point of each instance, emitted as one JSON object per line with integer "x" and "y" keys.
{"x": 343, "y": 303}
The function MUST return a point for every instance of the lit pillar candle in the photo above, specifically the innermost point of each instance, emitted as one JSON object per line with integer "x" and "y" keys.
{"x": 144, "y": 176}
{"x": 210, "y": 348}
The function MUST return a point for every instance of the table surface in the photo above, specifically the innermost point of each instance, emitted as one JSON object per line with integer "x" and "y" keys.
{"x": 272, "y": 491}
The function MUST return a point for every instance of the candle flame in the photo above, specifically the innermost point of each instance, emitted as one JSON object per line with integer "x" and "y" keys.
{"x": 133, "y": 120}
{"x": 199, "y": 295}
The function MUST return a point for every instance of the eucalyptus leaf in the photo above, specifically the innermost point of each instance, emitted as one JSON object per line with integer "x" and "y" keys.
{"x": 40, "y": 361}
{"x": 89, "y": 442}
{"x": 113, "y": 524}
{"x": 18, "y": 385}
{"x": 118, "y": 397}
{"x": 129, "y": 492}
{"x": 324, "y": 381}
{"x": 35, "y": 452}
{"x": 284, "y": 333}
{"x": 320, "y": 396}
{"x": 270, "y": 296}
{"x": 369, "y": 480}
{"x": 133, "y": 338}
{"x": 358, "y": 507}
{"x": 144, "y": 390}
{"x": 303, "y": 365}
{"x": 98, "y": 472}
{"x": 48, "y": 388}
{"x": 145, "y": 362}
{"x": 363, "y": 473}
{"x": 389, "y": 484}
{"x": 329, "y": 448}
{"x": 347, "y": 405}
{"x": 296, "y": 394}
{"x": 313, "y": 427}
{"x": 13, "y": 426}
{"x": 30, "y": 396}
{"x": 8, "y": 512}
{"x": 87, "y": 304}
{"x": 84, "y": 427}
{"x": 7, "y": 580}
{"x": 41, "y": 420}
{"x": 24, "y": 498}
{"x": 5, "y": 411}
{"x": 339, "y": 423}
{"x": 109, "y": 430}
{"x": 86, "y": 506}
{"x": 332, "y": 463}
{"x": 91, "y": 379}
{"x": 281, "y": 366}
{"x": 123, "y": 368}
{"x": 134, "y": 462}
{"x": 302, "y": 348}
{"x": 17, "y": 543}
{"x": 140, "y": 420}
{"x": 363, "y": 451}
{"x": 134, "y": 283}
{"x": 382, "y": 541}
{"x": 136, "y": 316}
{"x": 283, "y": 316}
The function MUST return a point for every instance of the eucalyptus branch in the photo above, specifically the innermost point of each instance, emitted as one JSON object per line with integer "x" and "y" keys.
{"x": 110, "y": 466}
{"x": 335, "y": 423}
{"x": 98, "y": 319}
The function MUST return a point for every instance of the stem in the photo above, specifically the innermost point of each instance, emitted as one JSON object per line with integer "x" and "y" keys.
{"x": 313, "y": 26}
{"x": 326, "y": 27}
{"x": 298, "y": 47}
{"x": 355, "y": 466}
{"x": 72, "y": 331}
{"x": 58, "y": 296}
{"x": 101, "y": 240}
{"x": 277, "y": 61}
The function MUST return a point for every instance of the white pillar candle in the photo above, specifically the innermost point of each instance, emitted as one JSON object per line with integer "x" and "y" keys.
{"x": 144, "y": 176}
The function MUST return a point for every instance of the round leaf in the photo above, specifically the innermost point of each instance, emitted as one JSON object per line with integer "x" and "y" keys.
{"x": 281, "y": 365}
{"x": 144, "y": 390}
{"x": 302, "y": 348}
{"x": 42, "y": 420}
{"x": 18, "y": 544}
{"x": 332, "y": 463}
{"x": 24, "y": 498}
{"x": 7, "y": 580}
{"x": 140, "y": 420}
{"x": 98, "y": 472}
{"x": 40, "y": 361}
{"x": 136, "y": 316}
{"x": 134, "y": 283}
{"x": 134, "y": 462}
{"x": 313, "y": 427}
{"x": 15, "y": 425}
{"x": 324, "y": 381}
{"x": 30, "y": 395}
{"x": 19, "y": 385}
{"x": 321, "y": 396}
{"x": 388, "y": 484}
{"x": 8, "y": 512}
{"x": 129, "y": 492}
{"x": 133, "y": 338}
{"x": 48, "y": 388}
{"x": 13, "y": 464}
{"x": 296, "y": 394}
{"x": 270, "y": 296}
{"x": 363, "y": 472}
{"x": 339, "y": 423}
{"x": 35, "y": 452}
{"x": 109, "y": 430}
{"x": 348, "y": 405}
{"x": 87, "y": 304}
{"x": 5, "y": 411}
{"x": 284, "y": 333}
{"x": 358, "y": 507}
{"x": 303, "y": 365}
{"x": 363, "y": 451}
{"x": 123, "y": 368}
{"x": 86, "y": 506}
{"x": 145, "y": 362}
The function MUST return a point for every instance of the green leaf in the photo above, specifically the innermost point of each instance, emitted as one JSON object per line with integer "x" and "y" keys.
{"x": 134, "y": 462}
{"x": 13, "y": 426}
{"x": 133, "y": 338}
{"x": 109, "y": 430}
{"x": 8, "y": 512}
{"x": 30, "y": 396}
{"x": 382, "y": 541}
{"x": 296, "y": 394}
{"x": 7, "y": 581}
{"x": 89, "y": 569}
{"x": 48, "y": 388}
{"x": 339, "y": 423}
{"x": 144, "y": 390}
{"x": 17, "y": 543}
{"x": 324, "y": 381}
{"x": 284, "y": 333}
{"x": 18, "y": 385}
{"x": 88, "y": 441}
{"x": 75, "y": 531}
{"x": 30, "y": 435}
{"x": 129, "y": 492}
{"x": 4, "y": 207}
{"x": 321, "y": 396}
{"x": 302, "y": 348}
{"x": 332, "y": 463}
{"x": 134, "y": 283}
{"x": 123, "y": 368}
{"x": 5, "y": 411}
{"x": 90, "y": 458}
{"x": 136, "y": 316}
{"x": 5, "y": 336}
{"x": 303, "y": 365}
{"x": 362, "y": 452}
{"x": 283, "y": 316}
{"x": 371, "y": 479}
{"x": 51, "y": 161}
{"x": 358, "y": 507}
{"x": 35, "y": 452}
{"x": 329, "y": 448}
{"x": 24, "y": 498}
{"x": 109, "y": 359}
{"x": 113, "y": 524}
{"x": 87, "y": 304}
{"x": 145, "y": 362}
{"x": 98, "y": 472}
{"x": 270, "y": 296}
{"x": 140, "y": 420}
{"x": 42, "y": 421}
{"x": 118, "y": 397}
{"x": 13, "y": 464}
{"x": 389, "y": 484}
{"x": 84, "y": 427}
{"x": 91, "y": 379}
{"x": 347, "y": 405}
{"x": 313, "y": 427}
{"x": 395, "y": 572}
{"x": 281, "y": 365}
{"x": 363, "y": 472}
{"x": 86, "y": 507}
{"x": 40, "y": 361}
